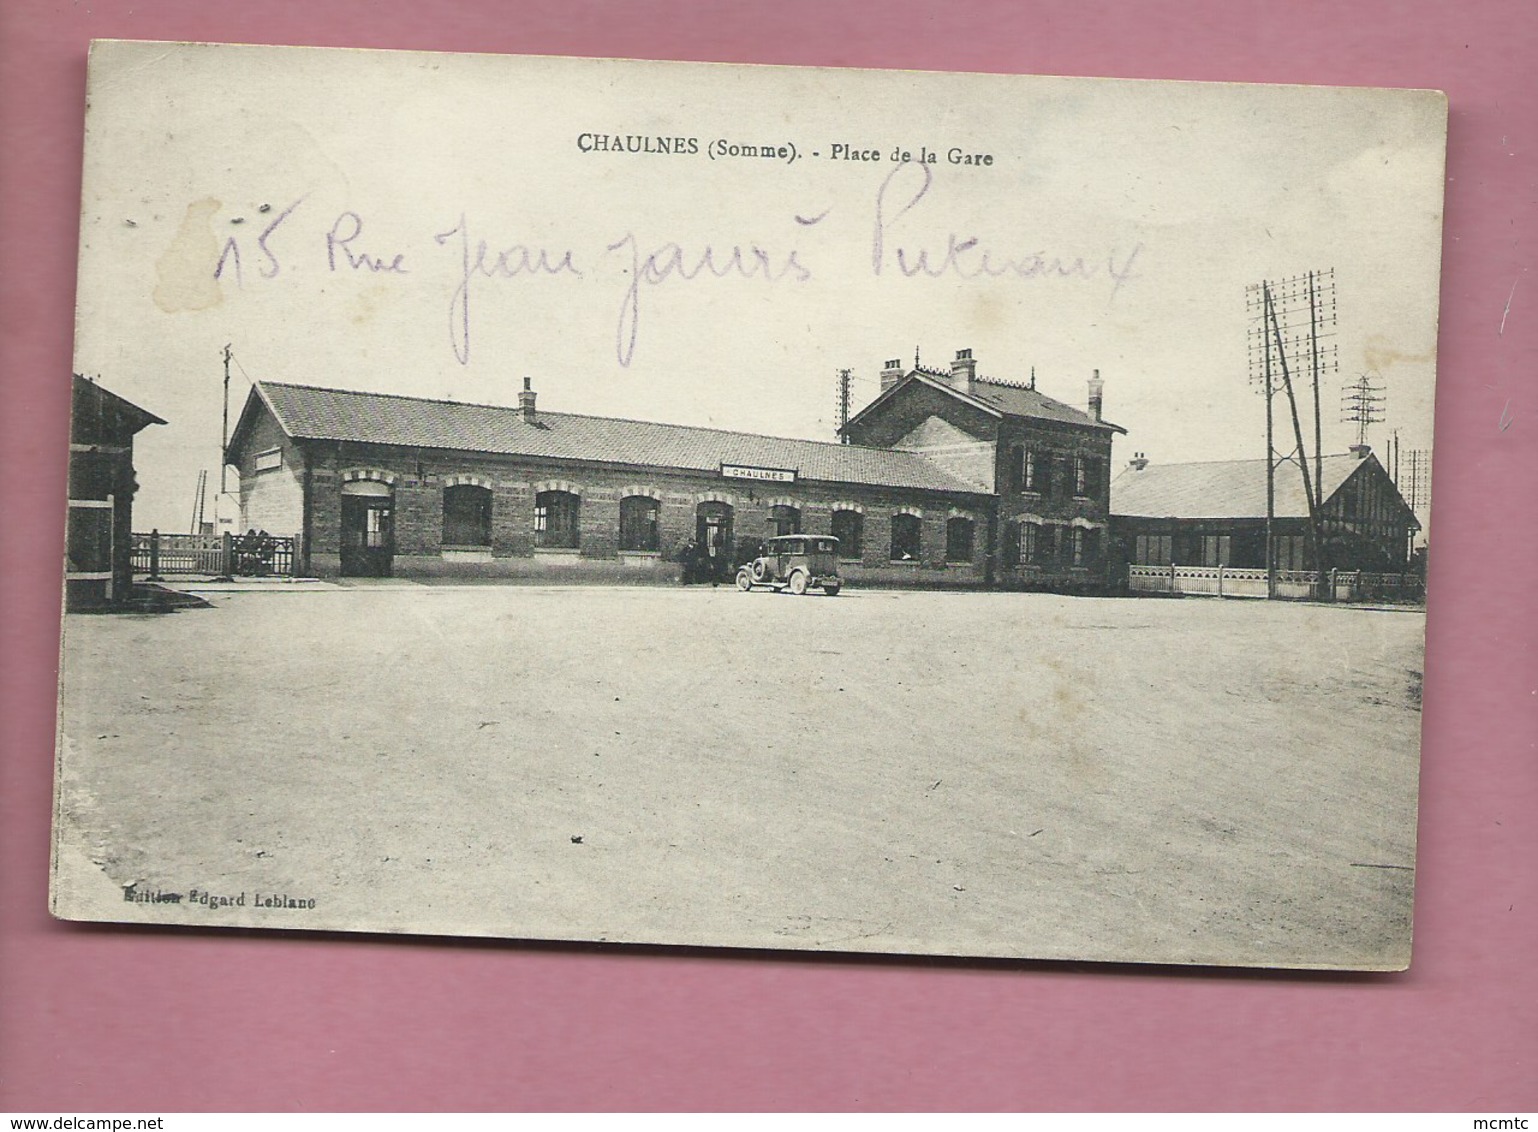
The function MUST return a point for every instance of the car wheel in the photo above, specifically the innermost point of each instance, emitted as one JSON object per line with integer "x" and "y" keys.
{"x": 798, "y": 583}
{"x": 832, "y": 589}
{"x": 744, "y": 580}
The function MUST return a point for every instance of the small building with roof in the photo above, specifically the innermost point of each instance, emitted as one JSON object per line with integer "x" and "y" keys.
{"x": 98, "y": 557}
{"x": 1214, "y": 514}
{"x": 936, "y": 471}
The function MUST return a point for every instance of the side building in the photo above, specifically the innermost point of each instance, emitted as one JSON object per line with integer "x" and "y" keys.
{"x": 1214, "y": 514}
{"x": 98, "y": 557}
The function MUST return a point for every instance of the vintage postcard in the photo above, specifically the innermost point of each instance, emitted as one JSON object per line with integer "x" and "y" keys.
{"x": 749, "y": 507}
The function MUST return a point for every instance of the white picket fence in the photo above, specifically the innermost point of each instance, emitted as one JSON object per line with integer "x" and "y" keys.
{"x": 1296, "y": 585}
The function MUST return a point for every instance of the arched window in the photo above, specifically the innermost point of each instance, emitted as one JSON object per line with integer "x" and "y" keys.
{"x": 556, "y": 518}
{"x": 784, "y": 519}
{"x": 905, "y": 538}
{"x": 466, "y": 515}
{"x": 959, "y": 533}
{"x": 638, "y": 523}
{"x": 849, "y": 529}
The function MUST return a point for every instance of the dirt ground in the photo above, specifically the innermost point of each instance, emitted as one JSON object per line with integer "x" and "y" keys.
{"x": 1184, "y": 781}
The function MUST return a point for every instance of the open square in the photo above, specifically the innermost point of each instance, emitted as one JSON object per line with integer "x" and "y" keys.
{"x": 1028, "y": 775}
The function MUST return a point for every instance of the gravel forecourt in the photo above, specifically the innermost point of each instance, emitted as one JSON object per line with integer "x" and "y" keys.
{"x": 991, "y": 774}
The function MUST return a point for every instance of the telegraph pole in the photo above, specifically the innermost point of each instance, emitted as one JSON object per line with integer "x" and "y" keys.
{"x": 1418, "y": 471}
{"x": 1289, "y": 321}
{"x": 224, "y": 444}
{"x": 1362, "y": 405}
{"x": 1270, "y": 487}
{"x": 1309, "y": 490}
{"x": 1313, "y": 349}
{"x": 841, "y": 409}
{"x": 224, "y": 440}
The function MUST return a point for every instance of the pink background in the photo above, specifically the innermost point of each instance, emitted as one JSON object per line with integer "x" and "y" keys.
{"x": 102, "y": 1018}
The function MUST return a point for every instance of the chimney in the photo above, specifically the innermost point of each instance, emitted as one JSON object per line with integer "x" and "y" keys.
{"x": 891, "y": 373}
{"x": 526, "y": 402}
{"x": 1138, "y": 462}
{"x": 963, "y": 370}
{"x": 1361, "y": 451}
{"x": 1096, "y": 389}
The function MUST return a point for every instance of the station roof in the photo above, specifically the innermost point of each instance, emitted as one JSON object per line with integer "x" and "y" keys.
{"x": 94, "y": 406}
{"x": 1001, "y": 398}
{"x": 308, "y": 412}
{"x": 1222, "y": 489}
{"x": 1023, "y": 401}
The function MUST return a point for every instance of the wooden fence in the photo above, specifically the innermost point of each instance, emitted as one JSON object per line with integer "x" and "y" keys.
{"x": 253, "y": 555}
{"x": 1295, "y": 585}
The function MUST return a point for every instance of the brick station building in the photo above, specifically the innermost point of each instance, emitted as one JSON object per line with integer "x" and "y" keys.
{"x": 949, "y": 479}
{"x": 1044, "y": 464}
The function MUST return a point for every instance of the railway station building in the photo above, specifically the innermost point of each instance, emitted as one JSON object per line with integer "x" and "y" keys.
{"x": 946, "y": 479}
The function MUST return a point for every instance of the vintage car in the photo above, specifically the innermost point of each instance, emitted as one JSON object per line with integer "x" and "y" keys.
{"x": 795, "y": 563}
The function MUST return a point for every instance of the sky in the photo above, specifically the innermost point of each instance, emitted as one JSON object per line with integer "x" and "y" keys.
{"x": 447, "y": 225}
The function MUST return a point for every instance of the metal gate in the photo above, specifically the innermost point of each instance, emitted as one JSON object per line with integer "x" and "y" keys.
{"x": 255, "y": 554}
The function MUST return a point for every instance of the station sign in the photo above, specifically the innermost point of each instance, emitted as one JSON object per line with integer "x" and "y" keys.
{"x": 747, "y": 472}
